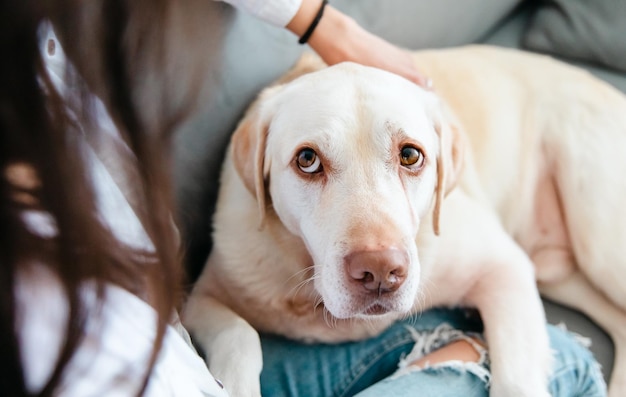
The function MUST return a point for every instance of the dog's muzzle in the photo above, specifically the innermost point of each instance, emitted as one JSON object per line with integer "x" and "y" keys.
{"x": 375, "y": 276}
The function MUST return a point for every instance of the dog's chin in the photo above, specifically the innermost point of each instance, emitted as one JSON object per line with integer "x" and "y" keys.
{"x": 378, "y": 311}
{"x": 374, "y": 310}
{"x": 364, "y": 305}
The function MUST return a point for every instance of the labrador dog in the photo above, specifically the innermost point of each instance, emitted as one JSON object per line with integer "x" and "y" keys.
{"x": 351, "y": 197}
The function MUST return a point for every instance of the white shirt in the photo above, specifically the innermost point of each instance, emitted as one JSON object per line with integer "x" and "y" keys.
{"x": 120, "y": 337}
{"x": 118, "y": 341}
{"x": 276, "y": 12}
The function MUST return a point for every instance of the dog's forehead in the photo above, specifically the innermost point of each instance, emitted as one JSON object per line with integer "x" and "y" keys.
{"x": 352, "y": 96}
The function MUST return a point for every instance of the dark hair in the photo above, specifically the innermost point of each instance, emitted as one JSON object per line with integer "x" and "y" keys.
{"x": 36, "y": 133}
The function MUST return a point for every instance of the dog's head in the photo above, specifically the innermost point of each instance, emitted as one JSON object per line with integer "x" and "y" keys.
{"x": 352, "y": 160}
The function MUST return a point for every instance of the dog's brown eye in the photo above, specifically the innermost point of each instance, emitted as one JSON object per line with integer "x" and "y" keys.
{"x": 411, "y": 157}
{"x": 308, "y": 161}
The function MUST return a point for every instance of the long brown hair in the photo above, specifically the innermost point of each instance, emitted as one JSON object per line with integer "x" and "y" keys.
{"x": 35, "y": 132}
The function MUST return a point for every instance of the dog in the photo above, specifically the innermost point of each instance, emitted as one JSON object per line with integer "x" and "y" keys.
{"x": 351, "y": 197}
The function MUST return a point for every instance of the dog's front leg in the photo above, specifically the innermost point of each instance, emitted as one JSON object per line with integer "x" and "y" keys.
{"x": 501, "y": 285}
{"x": 232, "y": 346}
{"x": 515, "y": 327}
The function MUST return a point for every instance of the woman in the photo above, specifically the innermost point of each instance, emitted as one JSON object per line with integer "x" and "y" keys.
{"x": 86, "y": 304}
{"x": 90, "y": 284}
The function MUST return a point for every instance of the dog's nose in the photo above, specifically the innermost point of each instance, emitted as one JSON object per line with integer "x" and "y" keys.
{"x": 378, "y": 271}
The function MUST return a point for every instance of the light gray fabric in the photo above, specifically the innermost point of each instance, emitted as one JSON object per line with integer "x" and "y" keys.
{"x": 511, "y": 34}
{"x": 428, "y": 24}
{"x": 250, "y": 55}
{"x": 589, "y": 30}
{"x": 601, "y": 344}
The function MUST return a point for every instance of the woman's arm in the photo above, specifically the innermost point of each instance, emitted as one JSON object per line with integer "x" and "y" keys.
{"x": 339, "y": 38}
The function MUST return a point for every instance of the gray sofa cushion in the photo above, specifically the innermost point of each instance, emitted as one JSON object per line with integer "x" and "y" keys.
{"x": 593, "y": 31}
{"x": 428, "y": 24}
{"x": 512, "y": 31}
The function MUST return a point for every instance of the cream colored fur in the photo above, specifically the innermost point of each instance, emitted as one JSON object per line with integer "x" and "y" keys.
{"x": 523, "y": 178}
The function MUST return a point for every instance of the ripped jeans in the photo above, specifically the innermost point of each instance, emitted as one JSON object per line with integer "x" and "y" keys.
{"x": 376, "y": 367}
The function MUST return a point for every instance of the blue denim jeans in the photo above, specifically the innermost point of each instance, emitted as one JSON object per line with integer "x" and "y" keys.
{"x": 368, "y": 368}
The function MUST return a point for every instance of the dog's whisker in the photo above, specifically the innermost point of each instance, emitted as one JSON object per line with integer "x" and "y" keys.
{"x": 424, "y": 293}
{"x": 330, "y": 320}
{"x": 299, "y": 272}
{"x": 317, "y": 302}
{"x": 325, "y": 312}
{"x": 313, "y": 294}
{"x": 407, "y": 316}
{"x": 296, "y": 288}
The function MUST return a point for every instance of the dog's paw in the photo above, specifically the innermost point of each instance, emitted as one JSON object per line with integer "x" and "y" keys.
{"x": 237, "y": 387}
{"x": 240, "y": 379}
{"x": 236, "y": 359}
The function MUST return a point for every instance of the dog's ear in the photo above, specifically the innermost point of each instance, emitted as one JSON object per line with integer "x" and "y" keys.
{"x": 248, "y": 154}
{"x": 452, "y": 147}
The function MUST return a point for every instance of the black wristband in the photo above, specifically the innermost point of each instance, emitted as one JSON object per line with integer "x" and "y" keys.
{"x": 305, "y": 37}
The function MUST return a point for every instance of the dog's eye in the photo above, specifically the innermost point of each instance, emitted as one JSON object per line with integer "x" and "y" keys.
{"x": 411, "y": 157}
{"x": 308, "y": 161}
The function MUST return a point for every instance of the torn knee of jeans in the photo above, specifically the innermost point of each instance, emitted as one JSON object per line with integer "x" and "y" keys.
{"x": 427, "y": 342}
{"x": 582, "y": 340}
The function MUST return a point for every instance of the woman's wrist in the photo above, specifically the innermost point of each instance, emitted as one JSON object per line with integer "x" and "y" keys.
{"x": 333, "y": 28}
{"x": 333, "y": 37}
{"x": 304, "y": 17}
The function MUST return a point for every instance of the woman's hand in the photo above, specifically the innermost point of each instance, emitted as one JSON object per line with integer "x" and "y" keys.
{"x": 338, "y": 38}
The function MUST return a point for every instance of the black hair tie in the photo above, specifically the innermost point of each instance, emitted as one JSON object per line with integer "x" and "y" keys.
{"x": 305, "y": 37}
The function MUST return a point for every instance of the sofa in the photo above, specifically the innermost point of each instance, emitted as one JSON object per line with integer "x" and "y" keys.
{"x": 244, "y": 54}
